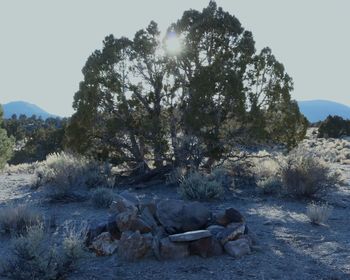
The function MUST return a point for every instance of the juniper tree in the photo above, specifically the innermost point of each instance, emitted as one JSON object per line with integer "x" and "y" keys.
{"x": 6, "y": 143}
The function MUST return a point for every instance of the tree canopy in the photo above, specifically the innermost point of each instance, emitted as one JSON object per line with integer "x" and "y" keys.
{"x": 143, "y": 101}
{"x": 6, "y": 143}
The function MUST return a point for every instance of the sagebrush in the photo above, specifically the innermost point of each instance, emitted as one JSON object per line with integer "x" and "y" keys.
{"x": 197, "y": 186}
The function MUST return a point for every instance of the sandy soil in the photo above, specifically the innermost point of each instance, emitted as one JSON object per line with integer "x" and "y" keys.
{"x": 290, "y": 247}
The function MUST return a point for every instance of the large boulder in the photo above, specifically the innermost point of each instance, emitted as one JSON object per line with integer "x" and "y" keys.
{"x": 133, "y": 246}
{"x": 104, "y": 244}
{"x": 189, "y": 236}
{"x": 172, "y": 250}
{"x": 237, "y": 248}
{"x": 178, "y": 216}
{"x": 94, "y": 230}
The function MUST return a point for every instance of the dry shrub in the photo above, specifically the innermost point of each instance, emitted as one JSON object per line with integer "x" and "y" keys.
{"x": 175, "y": 176}
{"x": 28, "y": 168}
{"x": 318, "y": 213}
{"x": 16, "y": 219}
{"x": 37, "y": 256}
{"x": 197, "y": 186}
{"x": 303, "y": 175}
{"x": 66, "y": 172}
{"x": 102, "y": 197}
{"x": 271, "y": 185}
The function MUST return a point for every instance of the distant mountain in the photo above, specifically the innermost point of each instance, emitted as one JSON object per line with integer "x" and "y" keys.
{"x": 24, "y": 108}
{"x": 318, "y": 110}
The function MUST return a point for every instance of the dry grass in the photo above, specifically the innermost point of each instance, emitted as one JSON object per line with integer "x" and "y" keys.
{"x": 303, "y": 175}
{"x": 16, "y": 219}
{"x": 318, "y": 213}
{"x": 102, "y": 197}
{"x": 66, "y": 172}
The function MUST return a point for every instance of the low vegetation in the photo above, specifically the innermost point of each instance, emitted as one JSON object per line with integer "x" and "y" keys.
{"x": 66, "y": 172}
{"x": 16, "y": 219}
{"x": 102, "y": 197}
{"x": 197, "y": 186}
{"x": 303, "y": 175}
{"x": 36, "y": 256}
{"x": 318, "y": 213}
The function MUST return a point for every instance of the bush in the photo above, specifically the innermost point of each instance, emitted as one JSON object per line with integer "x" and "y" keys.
{"x": 36, "y": 256}
{"x": 334, "y": 127}
{"x": 271, "y": 185}
{"x": 6, "y": 147}
{"x": 304, "y": 175}
{"x": 318, "y": 213}
{"x": 102, "y": 197}
{"x": 198, "y": 186}
{"x": 66, "y": 172}
{"x": 16, "y": 219}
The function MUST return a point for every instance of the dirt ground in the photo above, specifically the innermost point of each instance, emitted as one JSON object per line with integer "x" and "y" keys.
{"x": 289, "y": 246}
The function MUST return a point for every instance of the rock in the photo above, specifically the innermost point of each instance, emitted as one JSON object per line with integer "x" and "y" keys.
{"x": 147, "y": 216}
{"x": 189, "y": 236}
{"x": 121, "y": 204}
{"x": 219, "y": 218}
{"x": 195, "y": 216}
{"x": 129, "y": 221}
{"x": 172, "y": 250}
{"x": 234, "y": 216}
{"x": 230, "y": 234}
{"x": 230, "y": 215}
{"x": 206, "y": 247}
{"x": 133, "y": 246}
{"x": 253, "y": 237}
{"x": 112, "y": 227}
{"x": 104, "y": 245}
{"x": 237, "y": 248}
{"x": 94, "y": 230}
{"x": 132, "y": 197}
{"x": 140, "y": 225}
{"x": 125, "y": 220}
{"x": 215, "y": 229}
{"x": 177, "y": 216}
{"x": 150, "y": 204}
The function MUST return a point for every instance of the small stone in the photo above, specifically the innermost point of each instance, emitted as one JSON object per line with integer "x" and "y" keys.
{"x": 189, "y": 236}
{"x": 237, "y": 248}
{"x": 172, "y": 250}
{"x": 104, "y": 245}
{"x": 230, "y": 234}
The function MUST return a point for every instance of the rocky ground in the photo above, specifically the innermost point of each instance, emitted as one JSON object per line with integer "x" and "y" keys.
{"x": 290, "y": 247}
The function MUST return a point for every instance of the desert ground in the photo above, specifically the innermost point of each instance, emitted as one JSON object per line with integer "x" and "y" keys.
{"x": 289, "y": 246}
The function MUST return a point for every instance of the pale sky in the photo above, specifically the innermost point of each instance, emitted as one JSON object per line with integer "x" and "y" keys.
{"x": 44, "y": 43}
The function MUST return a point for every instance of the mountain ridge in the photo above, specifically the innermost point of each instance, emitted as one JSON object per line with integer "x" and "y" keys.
{"x": 25, "y": 108}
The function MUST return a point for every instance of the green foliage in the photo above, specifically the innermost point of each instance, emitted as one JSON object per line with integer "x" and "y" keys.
{"x": 6, "y": 144}
{"x": 334, "y": 127}
{"x": 140, "y": 103}
{"x": 35, "y": 137}
{"x": 197, "y": 186}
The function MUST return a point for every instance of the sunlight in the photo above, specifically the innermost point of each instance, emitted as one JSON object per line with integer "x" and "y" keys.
{"x": 173, "y": 44}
